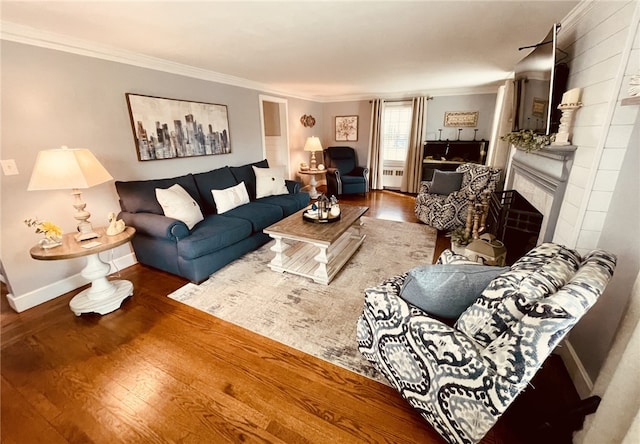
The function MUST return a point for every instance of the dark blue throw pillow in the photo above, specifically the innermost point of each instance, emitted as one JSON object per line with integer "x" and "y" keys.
{"x": 447, "y": 290}
{"x": 445, "y": 182}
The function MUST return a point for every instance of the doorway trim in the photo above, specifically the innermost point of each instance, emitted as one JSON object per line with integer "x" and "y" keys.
{"x": 284, "y": 125}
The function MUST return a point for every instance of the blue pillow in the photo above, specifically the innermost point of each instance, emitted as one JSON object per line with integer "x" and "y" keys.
{"x": 447, "y": 290}
{"x": 445, "y": 182}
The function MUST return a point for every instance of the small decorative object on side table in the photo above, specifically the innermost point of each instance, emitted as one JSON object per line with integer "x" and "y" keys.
{"x": 104, "y": 296}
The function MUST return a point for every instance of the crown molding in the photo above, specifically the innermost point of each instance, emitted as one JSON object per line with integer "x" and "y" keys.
{"x": 35, "y": 37}
{"x": 575, "y": 16}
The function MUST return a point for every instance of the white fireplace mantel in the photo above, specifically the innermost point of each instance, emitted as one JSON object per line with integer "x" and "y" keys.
{"x": 541, "y": 178}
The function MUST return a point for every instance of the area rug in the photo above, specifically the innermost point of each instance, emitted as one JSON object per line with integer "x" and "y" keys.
{"x": 317, "y": 319}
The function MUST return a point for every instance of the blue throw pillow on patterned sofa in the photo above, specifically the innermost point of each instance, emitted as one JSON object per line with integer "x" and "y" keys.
{"x": 447, "y": 290}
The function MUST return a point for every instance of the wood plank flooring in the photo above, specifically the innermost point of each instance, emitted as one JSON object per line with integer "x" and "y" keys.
{"x": 158, "y": 371}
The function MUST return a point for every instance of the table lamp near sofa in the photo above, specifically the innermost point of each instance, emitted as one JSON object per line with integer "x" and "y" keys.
{"x": 74, "y": 169}
{"x": 313, "y": 144}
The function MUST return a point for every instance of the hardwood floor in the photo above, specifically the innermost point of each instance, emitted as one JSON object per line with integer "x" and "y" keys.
{"x": 159, "y": 371}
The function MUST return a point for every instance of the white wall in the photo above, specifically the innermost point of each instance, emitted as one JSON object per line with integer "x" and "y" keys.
{"x": 52, "y": 98}
{"x": 484, "y": 103}
{"x": 598, "y": 208}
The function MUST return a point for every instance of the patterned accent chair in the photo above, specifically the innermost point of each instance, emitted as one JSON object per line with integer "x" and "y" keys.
{"x": 446, "y": 212}
{"x": 344, "y": 176}
{"x": 462, "y": 378}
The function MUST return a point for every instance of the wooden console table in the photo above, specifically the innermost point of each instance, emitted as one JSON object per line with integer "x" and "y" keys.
{"x": 104, "y": 296}
{"x": 447, "y": 155}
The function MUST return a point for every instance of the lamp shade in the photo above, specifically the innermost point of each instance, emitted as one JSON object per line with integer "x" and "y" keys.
{"x": 67, "y": 168}
{"x": 313, "y": 144}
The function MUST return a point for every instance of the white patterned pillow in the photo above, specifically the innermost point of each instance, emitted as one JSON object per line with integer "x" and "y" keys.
{"x": 270, "y": 181}
{"x": 231, "y": 197}
{"x": 178, "y": 204}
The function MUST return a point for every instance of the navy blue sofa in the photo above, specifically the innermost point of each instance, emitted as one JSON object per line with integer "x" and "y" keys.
{"x": 167, "y": 244}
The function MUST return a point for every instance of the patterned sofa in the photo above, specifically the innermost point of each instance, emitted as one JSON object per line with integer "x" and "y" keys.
{"x": 462, "y": 378}
{"x": 448, "y": 211}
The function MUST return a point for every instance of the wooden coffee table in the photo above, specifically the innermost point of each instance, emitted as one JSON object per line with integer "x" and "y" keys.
{"x": 316, "y": 251}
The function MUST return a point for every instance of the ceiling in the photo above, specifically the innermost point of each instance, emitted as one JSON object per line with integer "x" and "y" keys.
{"x": 318, "y": 50}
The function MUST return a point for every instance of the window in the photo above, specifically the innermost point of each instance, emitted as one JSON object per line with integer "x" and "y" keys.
{"x": 396, "y": 128}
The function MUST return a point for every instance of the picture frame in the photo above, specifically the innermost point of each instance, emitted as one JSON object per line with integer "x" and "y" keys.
{"x": 166, "y": 128}
{"x": 461, "y": 118}
{"x": 346, "y": 128}
{"x": 539, "y": 107}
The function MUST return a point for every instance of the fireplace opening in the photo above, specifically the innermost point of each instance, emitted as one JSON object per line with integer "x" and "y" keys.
{"x": 515, "y": 222}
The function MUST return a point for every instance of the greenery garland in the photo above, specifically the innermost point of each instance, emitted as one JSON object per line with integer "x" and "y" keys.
{"x": 527, "y": 140}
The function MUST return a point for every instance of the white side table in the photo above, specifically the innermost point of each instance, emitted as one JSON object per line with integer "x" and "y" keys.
{"x": 313, "y": 182}
{"x": 104, "y": 296}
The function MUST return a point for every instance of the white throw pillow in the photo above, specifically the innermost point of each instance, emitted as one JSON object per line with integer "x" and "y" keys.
{"x": 231, "y": 197}
{"x": 270, "y": 181}
{"x": 178, "y": 204}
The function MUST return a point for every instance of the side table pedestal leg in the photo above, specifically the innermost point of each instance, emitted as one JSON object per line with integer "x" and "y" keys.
{"x": 104, "y": 296}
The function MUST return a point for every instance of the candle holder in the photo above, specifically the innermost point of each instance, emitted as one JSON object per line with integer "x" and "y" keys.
{"x": 566, "y": 121}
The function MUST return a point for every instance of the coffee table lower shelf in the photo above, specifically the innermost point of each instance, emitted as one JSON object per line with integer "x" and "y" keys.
{"x": 319, "y": 261}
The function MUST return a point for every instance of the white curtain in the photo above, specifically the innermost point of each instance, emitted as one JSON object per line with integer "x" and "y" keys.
{"x": 413, "y": 166}
{"x": 374, "y": 159}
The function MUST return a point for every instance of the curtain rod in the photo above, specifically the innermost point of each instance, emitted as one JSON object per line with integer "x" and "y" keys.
{"x": 402, "y": 100}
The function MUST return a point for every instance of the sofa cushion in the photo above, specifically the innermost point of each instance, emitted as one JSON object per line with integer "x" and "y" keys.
{"x": 260, "y": 215}
{"x": 139, "y": 196}
{"x": 270, "y": 181}
{"x": 290, "y": 203}
{"x": 230, "y": 198}
{"x": 176, "y": 203}
{"x": 212, "y": 234}
{"x": 445, "y": 182}
{"x": 217, "y": 179}
{"x": 447, "y": 290}
{"x": 245, "y": 174}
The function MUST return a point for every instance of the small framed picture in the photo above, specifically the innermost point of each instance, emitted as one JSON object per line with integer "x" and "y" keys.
{"x": 346, "y": 128}
{"x": 539, "y": 108}
{"x": 461, "y": 118}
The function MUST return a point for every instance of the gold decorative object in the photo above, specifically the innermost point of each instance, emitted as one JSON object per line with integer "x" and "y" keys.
{"x": 307, "y": 121}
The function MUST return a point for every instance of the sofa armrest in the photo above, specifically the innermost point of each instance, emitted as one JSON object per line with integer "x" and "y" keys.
{"x": 155, "y": 225}
{"x": 293, "y": 186}
{"x": 424, "y": 187}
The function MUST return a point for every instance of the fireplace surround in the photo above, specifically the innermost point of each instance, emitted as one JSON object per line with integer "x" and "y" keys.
{"x": 541, "y": 178}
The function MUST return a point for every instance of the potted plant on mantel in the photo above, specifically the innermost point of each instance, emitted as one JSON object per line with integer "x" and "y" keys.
{"x": 527, "y": 140}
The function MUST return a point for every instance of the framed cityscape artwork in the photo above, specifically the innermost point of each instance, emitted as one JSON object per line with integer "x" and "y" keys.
{"x": 170, "y": 128}
{"x": 346, "y": 128}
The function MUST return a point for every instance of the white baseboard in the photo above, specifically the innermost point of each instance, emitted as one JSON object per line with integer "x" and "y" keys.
{"x": 40, "y": 295}
{"x": 581, "y": 380}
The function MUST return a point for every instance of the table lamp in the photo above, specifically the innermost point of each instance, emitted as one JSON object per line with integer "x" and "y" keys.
{"x": 313, "y": 144}
{"x": 70, "y": 168}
